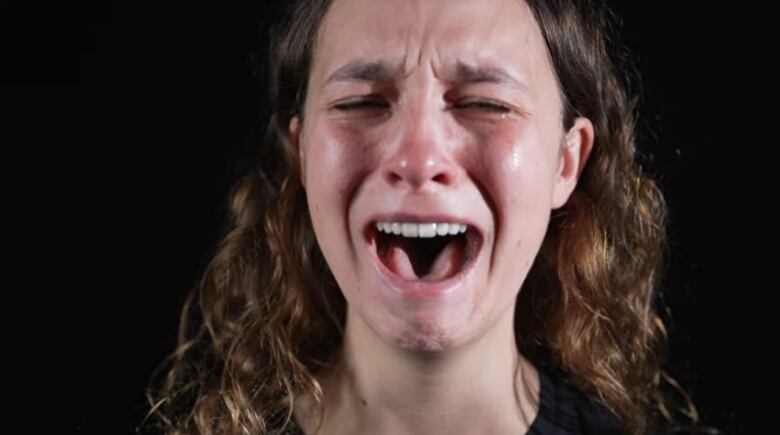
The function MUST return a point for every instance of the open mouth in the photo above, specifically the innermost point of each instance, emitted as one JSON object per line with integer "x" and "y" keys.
{"x": 428, "y": 252}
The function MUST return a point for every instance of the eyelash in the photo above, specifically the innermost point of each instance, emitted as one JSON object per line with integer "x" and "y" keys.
{"x": 489, "y": 106}
{"x": 359, "y": 104}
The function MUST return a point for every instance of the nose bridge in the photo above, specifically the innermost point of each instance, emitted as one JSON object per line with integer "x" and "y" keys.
{"x": 421, "y": 153}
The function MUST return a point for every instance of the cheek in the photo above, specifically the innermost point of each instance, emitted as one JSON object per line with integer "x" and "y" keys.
{"x": 517, "y": 173}
{"x": 336, "y": 157}
{"x": 515, "y": 166}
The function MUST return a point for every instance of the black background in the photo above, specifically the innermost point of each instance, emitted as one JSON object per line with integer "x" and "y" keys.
{"x": 130, "y": 124}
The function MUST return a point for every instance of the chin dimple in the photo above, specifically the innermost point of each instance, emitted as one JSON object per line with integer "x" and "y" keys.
{"x": 423, "y": 230}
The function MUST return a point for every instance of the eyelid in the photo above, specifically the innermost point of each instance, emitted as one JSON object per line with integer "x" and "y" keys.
{"x": 370, "y": 102}
{"x": 491, "y": 105}
{"x": 360, "y": 103}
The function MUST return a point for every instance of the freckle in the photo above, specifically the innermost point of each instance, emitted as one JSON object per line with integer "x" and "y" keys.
{"x": 363, "y": 401}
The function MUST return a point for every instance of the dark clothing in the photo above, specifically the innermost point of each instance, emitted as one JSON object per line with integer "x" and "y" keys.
{"x": 565, "y": 410}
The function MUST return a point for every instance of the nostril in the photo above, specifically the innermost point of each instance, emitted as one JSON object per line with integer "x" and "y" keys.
{"x": 417, "y": 173}
{"x": 441, "y": 178}
{"x": 393, "y": 177}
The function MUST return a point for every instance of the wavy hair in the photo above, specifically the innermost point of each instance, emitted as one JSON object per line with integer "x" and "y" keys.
{"x": 267, "y": 314}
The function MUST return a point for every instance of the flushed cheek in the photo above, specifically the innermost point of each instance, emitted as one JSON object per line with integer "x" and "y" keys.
{"x": 336, "y": 163}
{"x": 520, "y": 186}
{"x": 515, "y": 163}
{"x": 336, "y": 156}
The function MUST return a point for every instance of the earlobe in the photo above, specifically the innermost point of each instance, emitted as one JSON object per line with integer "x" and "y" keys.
{"x": 575, "y": 150}
{"x": 294, "y": 136}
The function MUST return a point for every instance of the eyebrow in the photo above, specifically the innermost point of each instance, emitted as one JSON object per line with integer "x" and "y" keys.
{"x": 382, "y": 71}
{"x": 471, "y": 74}
{"x": 364, "y": 71}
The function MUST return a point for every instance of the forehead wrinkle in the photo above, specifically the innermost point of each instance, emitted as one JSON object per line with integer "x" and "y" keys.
{"x": 465, "y": 67}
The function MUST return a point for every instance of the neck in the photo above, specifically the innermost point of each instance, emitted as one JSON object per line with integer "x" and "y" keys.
{"x": 380, "y": 389}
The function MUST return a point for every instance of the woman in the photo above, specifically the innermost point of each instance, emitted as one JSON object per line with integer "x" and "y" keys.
{"x": 448, "y": 233}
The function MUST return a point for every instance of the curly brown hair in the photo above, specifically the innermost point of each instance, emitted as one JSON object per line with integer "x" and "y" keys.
{"x": 267, "y": 315}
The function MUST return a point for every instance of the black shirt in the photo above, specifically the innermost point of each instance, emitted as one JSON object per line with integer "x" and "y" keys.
{"x": 565, "y": 410}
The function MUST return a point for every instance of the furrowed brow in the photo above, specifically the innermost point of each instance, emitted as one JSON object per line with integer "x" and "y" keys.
{"x": 382, "y": 71}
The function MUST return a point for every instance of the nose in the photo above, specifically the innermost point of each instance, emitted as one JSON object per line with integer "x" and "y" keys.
{"x": 422, "y": 159}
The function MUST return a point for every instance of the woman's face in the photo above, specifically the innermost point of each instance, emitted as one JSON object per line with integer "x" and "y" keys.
{"x": 423, "y": 112}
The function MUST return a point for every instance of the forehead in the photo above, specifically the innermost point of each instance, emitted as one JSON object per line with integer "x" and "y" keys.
{"x": 501, "y": 36}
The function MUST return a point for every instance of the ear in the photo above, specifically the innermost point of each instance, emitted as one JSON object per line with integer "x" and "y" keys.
{"x": 576, "y": 147}
{"x": 294, "y": 132}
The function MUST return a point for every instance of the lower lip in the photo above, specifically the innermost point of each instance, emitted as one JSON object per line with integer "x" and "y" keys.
{"x": 421, "y": 290}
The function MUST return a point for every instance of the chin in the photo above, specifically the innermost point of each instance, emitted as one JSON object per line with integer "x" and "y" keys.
{"x": 420, "y": 331}
{"x": 425, "y": 336}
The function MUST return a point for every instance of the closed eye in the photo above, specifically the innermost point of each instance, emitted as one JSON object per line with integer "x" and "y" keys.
{"x": 370, "y": 104}
{"x": 361, "y": 104}
{"x": 485, "y": 105}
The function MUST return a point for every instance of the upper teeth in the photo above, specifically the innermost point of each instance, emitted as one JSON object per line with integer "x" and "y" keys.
{"x": 411, "y": 229}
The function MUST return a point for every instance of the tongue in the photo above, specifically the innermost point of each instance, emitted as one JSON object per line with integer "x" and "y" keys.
{"x": 446, "y": 263}
{"x": 444, "y": 266}
{"x": 398, "y": 261}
